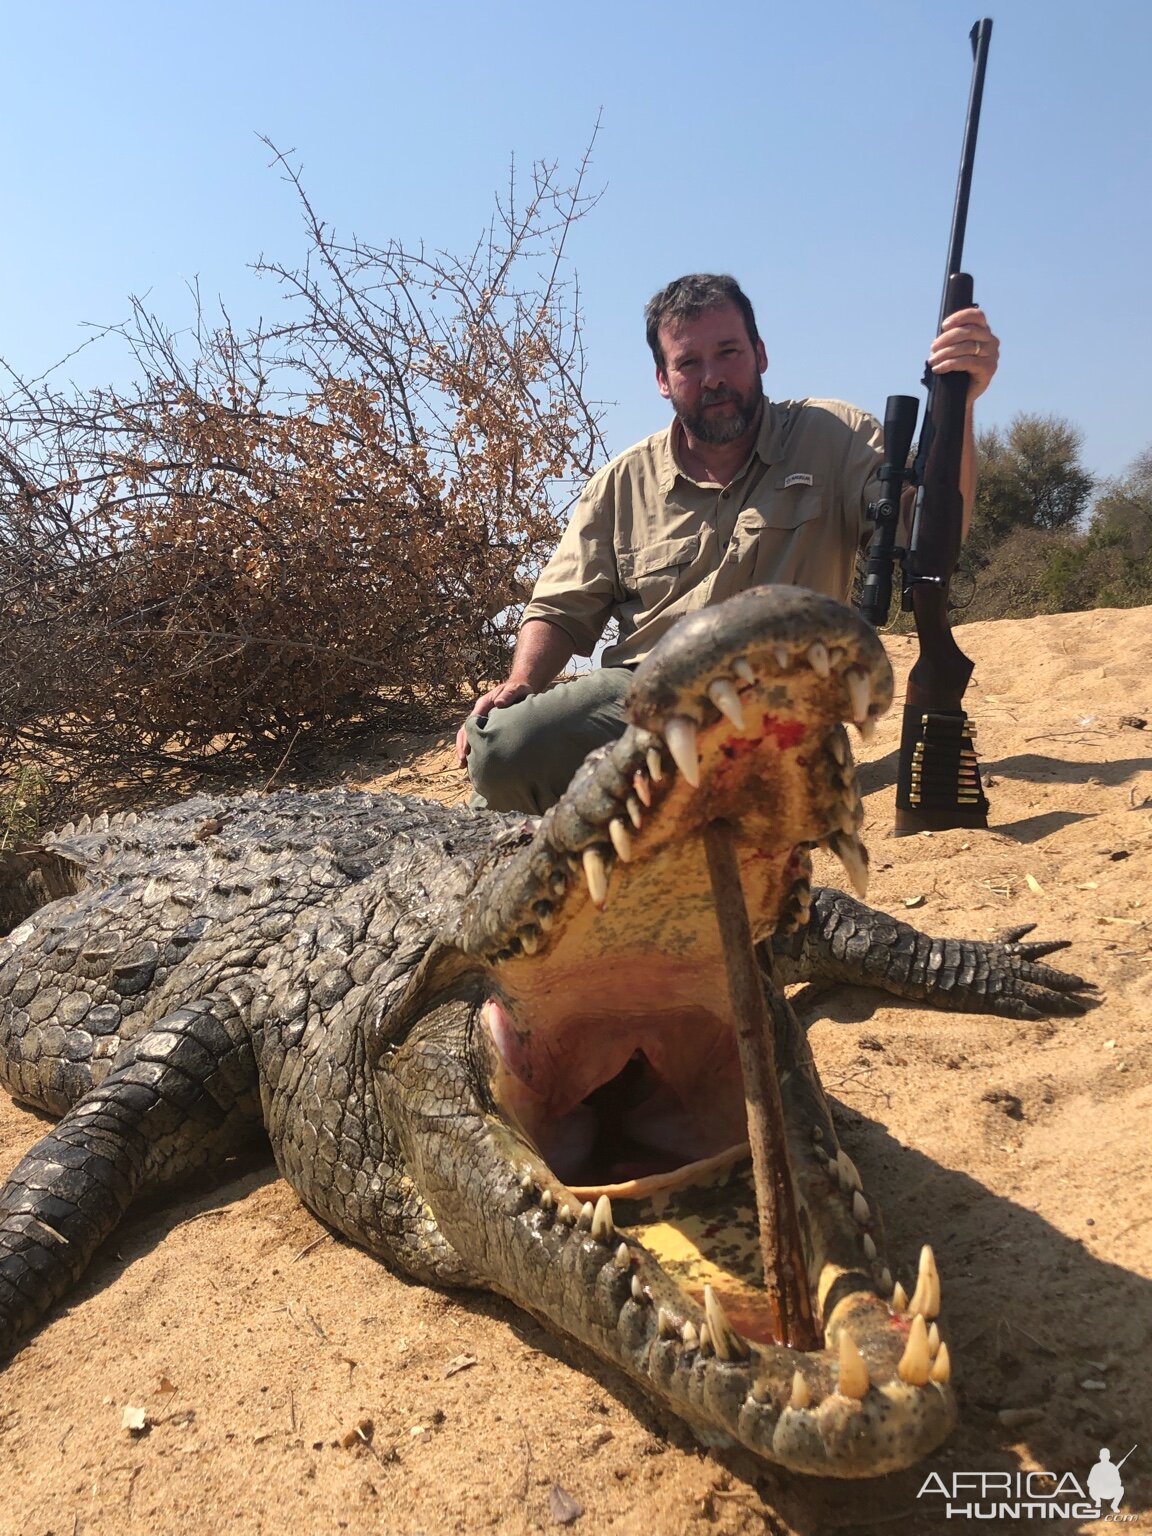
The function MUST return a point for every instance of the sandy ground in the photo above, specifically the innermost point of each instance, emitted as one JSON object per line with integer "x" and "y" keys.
{"x": 292, "y": 1384}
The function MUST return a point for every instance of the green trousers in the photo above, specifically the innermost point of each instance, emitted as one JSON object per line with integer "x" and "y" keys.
{"x": 522, "y": 758}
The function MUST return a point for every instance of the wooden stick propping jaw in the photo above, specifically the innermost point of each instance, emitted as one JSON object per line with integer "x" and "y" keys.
{"x": 785, "y": 1273}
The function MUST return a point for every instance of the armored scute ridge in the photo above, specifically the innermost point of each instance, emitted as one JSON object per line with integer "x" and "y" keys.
{"x": 502, "y": 1053}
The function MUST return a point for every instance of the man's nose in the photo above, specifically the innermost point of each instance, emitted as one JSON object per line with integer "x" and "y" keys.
{"x": 715, "y": 373}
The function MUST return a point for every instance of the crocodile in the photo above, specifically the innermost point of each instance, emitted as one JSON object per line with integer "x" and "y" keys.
{"x": 502, "y": 1053}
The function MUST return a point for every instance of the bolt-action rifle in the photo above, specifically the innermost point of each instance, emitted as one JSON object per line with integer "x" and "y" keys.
{"x": 938, "y": 779}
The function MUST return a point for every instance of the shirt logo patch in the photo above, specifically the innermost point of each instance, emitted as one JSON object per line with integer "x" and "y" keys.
{"x": 797, "y": 480}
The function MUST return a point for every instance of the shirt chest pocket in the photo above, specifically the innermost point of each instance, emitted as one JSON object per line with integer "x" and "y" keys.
{"x": 788, "y": 505}
{"x": 655, "y": 572}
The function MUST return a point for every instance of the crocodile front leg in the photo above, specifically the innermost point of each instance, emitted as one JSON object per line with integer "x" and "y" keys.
{"x": 846, "y": 942}
{"x": 186, "y": 1098}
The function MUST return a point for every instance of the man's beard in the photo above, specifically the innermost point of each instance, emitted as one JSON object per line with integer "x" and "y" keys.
{"x": 707, "y": 428}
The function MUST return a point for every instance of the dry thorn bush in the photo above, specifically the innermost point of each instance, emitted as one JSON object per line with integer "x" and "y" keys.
{"x": 313, "y": 526}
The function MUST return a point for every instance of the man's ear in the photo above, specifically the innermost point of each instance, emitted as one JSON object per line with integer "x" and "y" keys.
{"x": 761, "y": 357}
{"x": 662, "y": 383}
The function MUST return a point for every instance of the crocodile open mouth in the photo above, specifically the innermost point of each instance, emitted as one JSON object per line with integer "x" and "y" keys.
{"x": 617, "y": 1022}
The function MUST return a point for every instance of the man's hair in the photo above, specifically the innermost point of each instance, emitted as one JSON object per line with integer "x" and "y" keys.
{"x": 687, "y": 298}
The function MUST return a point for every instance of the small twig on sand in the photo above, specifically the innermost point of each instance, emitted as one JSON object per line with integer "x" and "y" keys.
{"x": 308, "y": 1247}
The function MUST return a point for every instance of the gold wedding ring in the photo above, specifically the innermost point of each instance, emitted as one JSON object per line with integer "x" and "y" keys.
{"x": 977, "y": 351}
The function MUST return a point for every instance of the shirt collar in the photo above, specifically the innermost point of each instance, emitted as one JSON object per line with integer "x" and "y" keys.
{"x": 766, "y": 447}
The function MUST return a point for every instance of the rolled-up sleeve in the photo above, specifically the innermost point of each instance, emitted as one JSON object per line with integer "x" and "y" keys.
{"x": 579, "y": 587}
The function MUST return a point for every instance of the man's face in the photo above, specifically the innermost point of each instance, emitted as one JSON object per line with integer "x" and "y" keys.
{"x": 711, "y": 374}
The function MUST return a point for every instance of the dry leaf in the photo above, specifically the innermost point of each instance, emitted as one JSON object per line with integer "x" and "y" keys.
{"x": 459, "y": 1363}
{"x": 1034, "y": 884}
{"x": 565, "y": 1510}
{"x": 914, "y": 901}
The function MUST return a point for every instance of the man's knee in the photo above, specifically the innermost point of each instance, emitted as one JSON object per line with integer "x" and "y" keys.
{"x": 522, "y": 758}
{"x": 500, "y": 752}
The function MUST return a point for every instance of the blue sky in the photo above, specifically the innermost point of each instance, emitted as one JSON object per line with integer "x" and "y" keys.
{"x": 811, "y": 149}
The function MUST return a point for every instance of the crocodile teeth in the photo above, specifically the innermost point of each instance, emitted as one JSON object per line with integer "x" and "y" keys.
{"x": 926, "y": 1296}
{"x": 899, "y": 1298}
{"x": 547, "y": 1200}
{"x": 934, "y": 1341}
{"x": 635, "y": 812}
{"x": 666, "y": 1325}
{"x": 818, "y": 659}
{"x": 584, "y": 1220}
{"x": 801, "y": 1392}
{"x": 564, "y": 1215}
{"x": 850, "y": 1174}
{"x": 853, "y": 1380}
{"x": 867, "y": 729}
{"x": 861, "y": 1213}
{"x": 596, "y": 874}
{"x": 723, "y": 694}
{"x": 680, "y": 734}
{"x": 543, "y": 911}
{"x": 655, "y": 766}
{"x": 689, "y": 1337}
{"x": 623, "y": 1257}
{"x": 886, "y": 1281}
{"x": 915, "y": 1363}
{"x": 725, "y": 1340}
{"x": 783, "y": 657}
{"x": 942, "y": 1366}
{"x": 603, "y": 1229}
{"x": 706, "y": 1340}
{"x": 744, "y": 670}
{"x": 558, "y": 880}
{"x": 621, "y": 839}
{"x": 850, "y": 852}
{"x": 859, "y": 693}
{"x": 526, "y": 1183}
{"x": 869, "y": 1248}
{"x": 643, "y": 787}
{"x": 530, "y": 939}
{"x": 839, "y": 748}
{"x": 638, "y": 1292}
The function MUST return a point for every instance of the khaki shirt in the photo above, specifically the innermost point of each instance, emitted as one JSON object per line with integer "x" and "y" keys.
{"x": 647, "y": 544}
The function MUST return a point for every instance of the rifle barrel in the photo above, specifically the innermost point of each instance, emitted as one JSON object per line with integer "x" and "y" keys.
{"x": 981, "y": 36}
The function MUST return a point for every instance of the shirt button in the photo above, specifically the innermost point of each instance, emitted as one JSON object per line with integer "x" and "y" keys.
{"x": 724, "y": 495}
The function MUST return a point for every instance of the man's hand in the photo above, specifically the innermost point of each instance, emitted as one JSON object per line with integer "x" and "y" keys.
{"x": 542, "y": 651}
{"x": 966, "y": 345}
{"x": 496, "y": 698}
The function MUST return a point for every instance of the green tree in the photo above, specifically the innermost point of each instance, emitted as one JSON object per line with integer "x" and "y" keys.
{"x": 1122, "y": 516}
{"x": 1030, "y": 477}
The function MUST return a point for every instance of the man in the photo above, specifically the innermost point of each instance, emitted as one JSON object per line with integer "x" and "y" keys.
{"x": 738, "y": 491}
